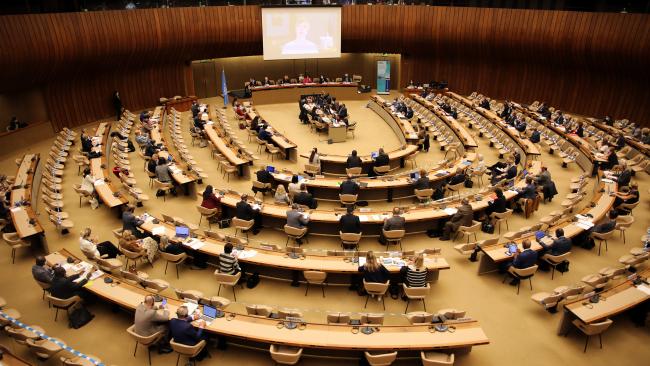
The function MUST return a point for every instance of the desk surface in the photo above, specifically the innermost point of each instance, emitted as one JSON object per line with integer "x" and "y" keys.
{"x": 612, "y": 301}
{"x": 177, "y": 168}
{"x": 316, "y": 335}
{"x": 106, "y": 190}
{"x": 278, "y": 139}
{"x": 465, "y": 137}
{"x": 21, "y": 216}
{"x": 400, "y": 120}
{"x": 290, "y": 93}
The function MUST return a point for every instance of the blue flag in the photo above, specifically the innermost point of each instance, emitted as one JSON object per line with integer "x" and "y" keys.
{"x": 224, "y": 87}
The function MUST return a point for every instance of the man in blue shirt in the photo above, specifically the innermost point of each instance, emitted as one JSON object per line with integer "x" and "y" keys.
{"x": 524, "y": 259}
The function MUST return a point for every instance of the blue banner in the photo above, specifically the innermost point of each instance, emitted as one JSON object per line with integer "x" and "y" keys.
{"x": 224, "y": 88}
{"x": 383, "y": 77}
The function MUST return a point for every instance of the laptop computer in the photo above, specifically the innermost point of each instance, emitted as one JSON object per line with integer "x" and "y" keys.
{"x": 374, "y": 154}
{"x": 270, "y": 169}
{"x": 209, "y": 314}
{"x": 415, "y": 175}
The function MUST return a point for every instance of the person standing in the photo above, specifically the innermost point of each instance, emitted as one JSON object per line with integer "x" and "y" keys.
{"x": 117, "y": 105}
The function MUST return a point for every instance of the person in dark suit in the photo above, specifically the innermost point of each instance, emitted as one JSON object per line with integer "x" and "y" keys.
{"x": 535, "y": 137}
{"x": 620, "y": 141}
{"x": 117, "y": 105}
{"x": 64, "y": 287}
{"x": 305, "y": 198}
{"x": 560, "y": 245}
{"x": 459, "y": 177}
{"x": 347, "y": 79}
{"x": 580, "y": 131}
{"x": 349, "y": 186}
{"x": 86, "y": 142}
{"x": 423, "y": 181}
{"x": 463, "y": 217}
{"x": 265, "y": 135}
{"x": 343, "y": 111}
{"x": 485, "y": 104}
{"x": 627, "y": 195}
{"x": 263, "y": 176}
{"x": 625, "y": 176}
{"x": 350, "y": 223}
{"x": 41, "y": 272}
{"x": 373, "y": 270}
{"x": 499, "y": 204}
{"x": 607, "y": 224}
{"x": 521, "y": 126}
{"x": 353, "y": 160}
{"x": 409, "y": 113}
{"x": 182, "y": 331}
{"x": 244, "y": 211}
{"x": 131, "y": 222}
{"x": 395, "y": 222}
{"x": 529, "y": 191}
{"x": 523, "y": 259}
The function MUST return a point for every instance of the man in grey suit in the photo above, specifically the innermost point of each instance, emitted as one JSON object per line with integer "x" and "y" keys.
{"x": 297, "y": 218}
{"x": 395, "y": 222}
{"x": 150, "y": 319}
{"x": 41, "y": 271}
{"x": 463, "y": 217}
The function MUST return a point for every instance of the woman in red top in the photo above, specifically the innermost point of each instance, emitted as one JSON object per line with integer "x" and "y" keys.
{"x": 210, "y": 200}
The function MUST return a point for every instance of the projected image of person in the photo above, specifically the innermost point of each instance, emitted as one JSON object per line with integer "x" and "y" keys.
{"x": 300, "y": 45}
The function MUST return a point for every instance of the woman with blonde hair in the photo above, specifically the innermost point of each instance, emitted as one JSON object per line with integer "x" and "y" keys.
{"x": 373, "y": 271}
{"x": 415, "y": 274}
{"x": 90, "y": 247}
{"x": 281, "y": 195}
{"x": 130, "y": 242}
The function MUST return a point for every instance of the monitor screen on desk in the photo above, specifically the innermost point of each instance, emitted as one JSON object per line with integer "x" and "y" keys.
{"x": 298, "y": 33}
{"x": 270, "y": 169}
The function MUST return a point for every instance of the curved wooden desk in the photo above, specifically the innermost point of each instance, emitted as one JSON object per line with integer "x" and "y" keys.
{"x": 494, "y": 254}
{"x": 177, "y": 168}
{"x": 326, "y": 222}
{"x": 279, "y": 140}
{"x": 398, "y": 122}
{"x": 314, "y": 336}
{"x": 461, "y": 132}
{"x": 107, "y": 191}
{"x": 277, "y": 264}
{"x": 23, "y": 217}
{"x": 290, "y": 93}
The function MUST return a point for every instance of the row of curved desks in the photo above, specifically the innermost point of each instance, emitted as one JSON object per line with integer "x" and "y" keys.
{"x": 613, "y": 131}
{"x": 326, "y": 222}
{"x": 461, "y": 132}
{"x": 279, "y": 140}
{"x": 275, "y": 263}
{"x": 177, "y": 169}
{"x": 529, "y": 148}
{"x": 613, "y": 301}
{"x": 223, "y": 148}
{"x": 399, "y": 123}
{"x": 290, "y": 93}
{"x": 586, "y": 158}
{"x": 23, "y": 216}
{"x": 314, "y": 336}
{"x": 495, "y": 254}
{"x": 107, "y": 191}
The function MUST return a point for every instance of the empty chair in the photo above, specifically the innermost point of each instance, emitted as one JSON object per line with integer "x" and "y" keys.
{"x": 380, "y": 359}
{"x": 452, "y": 314}
{"x": 436, "y": 358}
{"x": 315, "y": 278}
{"x": 20, "y": 335}
{"x": 259, "y": 310}
{"x": 419, "y": 317}
{"x": 469, "y": 230}
{"x": 145, "y": 341}
{"x": 593, "y": 329}
{"x": 597, "y": 281}
{"x": 193, "y": 295}
{"x": 500, "y": 217}
{"x": 522, "y": 274}
{"x": 43, "y": 349}
{"x": 227, "y": 280}
{"x": 187, "y": 351}
{"x": 602, "y": 237}
{"x": 548, "y": 300}
{"x": 623, "y": 222}
{"x": 555, "y": 260}
{"x": 416, "y": 293}
{"x": 338, "y": 318}
{"x": 80, "y": 361}
{"x": 285, "y": 355}
{"x": 375, "y": 289}
{"x": 175, "y": 259}
{"x": 15, "y": 242}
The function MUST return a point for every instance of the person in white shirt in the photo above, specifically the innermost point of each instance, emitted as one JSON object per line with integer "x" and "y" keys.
{"x": 314, "y": 158}
{"x": 91, "y": 249}
{"x": 88, "y": 182}
{"x": 294, "y": 186}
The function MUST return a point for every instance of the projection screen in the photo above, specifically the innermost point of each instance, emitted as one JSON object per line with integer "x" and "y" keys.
{"x": 294, "y": 33}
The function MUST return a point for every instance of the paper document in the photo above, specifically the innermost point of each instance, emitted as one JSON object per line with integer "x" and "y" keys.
{"x": 158, "y": 230}
{"x": 585, "y": 225}
{"x": 195, "y": 244}
{"x": 450, "y": 210}
{"x": 191, "y": 307}
{"x": 644, "y": 288}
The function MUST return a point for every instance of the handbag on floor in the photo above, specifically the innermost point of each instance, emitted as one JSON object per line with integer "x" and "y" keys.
{"x": 79, "y": 317}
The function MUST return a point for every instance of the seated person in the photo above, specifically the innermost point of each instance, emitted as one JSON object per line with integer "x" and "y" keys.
{"x": 163, "y": 174}
{"x": 285, "y": 80}
{"x": 266, "y": 81}
{"x": 459, "y": 177}
{"x": 499, "y": 204}
{"x": 373, "y": 271}
{"x": 382, "y": 159}
{"x": 255, "y": 124}
{"x": 41, "y": 271}
{"x": 64, "y": 287}
{"x": 141, "y": 138}
{"x": 228, "y": 263}
{"x": 90, "y": 246}
{"x": 305, "y": 198}
{"x": 166, "y": 246}
{"x": 131, "y": 222}
{"x": 523, "y": 259}
{"x": 210, "y": 201}
{"x": 182, "y": 331}
{"x": 152, "y": 164}
{"x": 395, "y": 222}
{"x": 423, "y": 181}
{"x": 294, "y": 186}
{"x": 88, "y": 182}
{"x": 353, "y": 160}
{"x": 281, "y": 195}
{"x": 606, "y": 225}
{"x": 347, "y": 79}
{"x": 244, "y": 211}
{"x": 151, "y": 148}
{"x": 350, "y": 223}
{"x": 628, "y": 195}
{"x": 415, "y": 274}
{"x": 86, "y": 142}
{"x": 129, "y": 242}
{"x": 265, "y": 135}
{"x": 151, "y": 319}
{"x": 529, "y": 191}
{"x": 14, "y": 124}
{"x": 624, "y": 176}
{"x": 263, "y": 176}
{"x": 535, "y": 137}
{"x": 296, "y": 218}
{"x": 560, "y": 245}
{"x": 349, "y": 186}
{"x": 464, "y": 217}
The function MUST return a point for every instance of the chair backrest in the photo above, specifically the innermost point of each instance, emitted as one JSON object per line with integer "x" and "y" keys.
{"x": 419, "y": 317}
{"x": 142, "y": 339}
{"x": 375, "y": 288}
{"x": 452, "y": 313}
{"x": 525, "y": 272}
{"x": 348, "y": 198}
{"x": 597, "y": 328}
{"x": 381, "y": 359}
{"x": 424, "y": 193}
{"x": 382, "y": 169}
{"x": 284, "y": 356}
{"x": 338, "y": 318}
{"x": 353, "y": 171}
{"x": 294, "y": 231}
{"x": 259, "y": 310}
{"x": 237, "y": 222}
{"x": 394, "y": 234}
{"x": 558, "y": 258}
{"x": 291, "y": 313}
{"x": 205, "y": 211}
{"x": 351, "y": 238}
{"x": 370, "y": 318}
{"x": 417, "y": 292}
{"x": 167, "y": 218}
{"x": 315, "y": 276}
{"x": 129, "y": 276}
{"x": 603, "y": 236}
{"x": 225, "y": 278}
{"x": 187, "y": 350}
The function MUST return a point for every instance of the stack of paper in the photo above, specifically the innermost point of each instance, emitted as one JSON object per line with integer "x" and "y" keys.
{"x": 158, "y": 230}
{"x": 244, "y": 254}
{"x": 194, "y": 243}
{"x": 450, "y": 210}
{"x": 585, "y": 225}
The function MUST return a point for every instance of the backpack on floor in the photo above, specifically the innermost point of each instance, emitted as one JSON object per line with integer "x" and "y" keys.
{"x": 487, "y": 227}
{"x": 79, "y": 317}
{"x": 563, "y": 267}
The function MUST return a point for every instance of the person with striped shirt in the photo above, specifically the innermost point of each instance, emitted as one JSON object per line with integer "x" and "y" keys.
{"x": 227, "y": 262}
{"x": 416, "y": 273}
